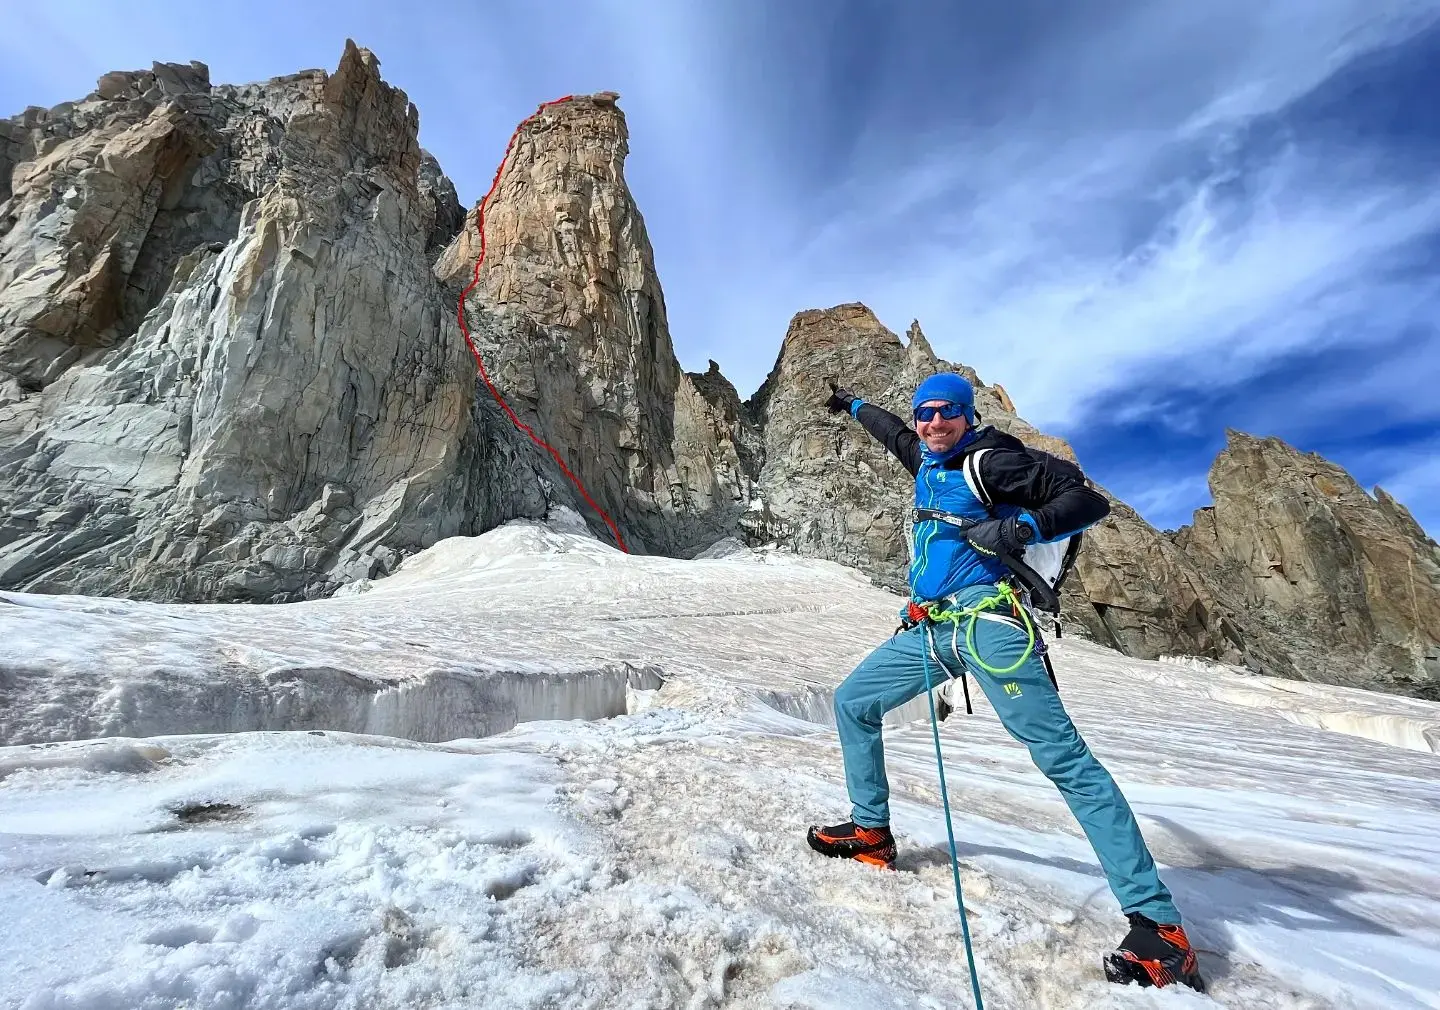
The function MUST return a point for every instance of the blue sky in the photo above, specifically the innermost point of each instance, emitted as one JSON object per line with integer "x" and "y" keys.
{"x": 1148, "y": 221}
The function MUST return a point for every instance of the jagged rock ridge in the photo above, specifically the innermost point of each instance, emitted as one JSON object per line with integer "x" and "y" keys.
{"x": 1346, "y": 585}
{"x": 826, "y": 492}
{"x": 230, "y": 370}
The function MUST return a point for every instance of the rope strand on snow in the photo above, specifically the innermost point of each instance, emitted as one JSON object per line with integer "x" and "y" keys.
{"x": 950, "y": 832}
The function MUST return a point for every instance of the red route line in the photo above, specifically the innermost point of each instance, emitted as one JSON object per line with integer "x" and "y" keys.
{"x": 465, "y": 329}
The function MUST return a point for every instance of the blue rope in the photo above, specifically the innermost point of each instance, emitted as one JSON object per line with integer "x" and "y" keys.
{"x": 949, "y": 828}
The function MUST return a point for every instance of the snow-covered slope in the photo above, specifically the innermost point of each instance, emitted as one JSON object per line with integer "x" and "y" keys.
{"x": 650, "y": 852}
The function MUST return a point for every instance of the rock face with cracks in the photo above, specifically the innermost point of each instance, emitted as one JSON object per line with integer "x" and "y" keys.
{"x": 230, "y": 369}
{"x": 578, "y": 339}
{"x": 1346, "y": 585}
{"x": 830, "y": 490}
{"x": 226, "y": 371}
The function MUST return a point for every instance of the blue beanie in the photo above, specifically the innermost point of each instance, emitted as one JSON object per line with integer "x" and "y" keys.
{"x": 949, "y": 387}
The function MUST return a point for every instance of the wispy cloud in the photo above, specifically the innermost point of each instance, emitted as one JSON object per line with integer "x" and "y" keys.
{"x": 1069, "y": 264}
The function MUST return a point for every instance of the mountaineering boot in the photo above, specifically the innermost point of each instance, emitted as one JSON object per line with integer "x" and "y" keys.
{"x": 875, "y": 846}
{"x": 1153, "y": 954}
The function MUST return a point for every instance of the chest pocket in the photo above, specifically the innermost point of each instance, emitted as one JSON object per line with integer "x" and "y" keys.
{"x": 949, "y": 491}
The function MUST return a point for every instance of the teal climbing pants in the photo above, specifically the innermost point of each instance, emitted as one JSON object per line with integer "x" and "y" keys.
{"x": 1030, "y": 710}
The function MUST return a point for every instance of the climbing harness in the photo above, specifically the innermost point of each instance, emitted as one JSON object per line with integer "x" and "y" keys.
{"x": 931, "y": 614}
{"x": 1004, "y": 594}
{"x": 950, "y": 833}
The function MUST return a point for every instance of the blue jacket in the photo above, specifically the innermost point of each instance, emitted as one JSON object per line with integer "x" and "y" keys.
{"x": 941, "y": 561}
{"x": 1049, "y": 494}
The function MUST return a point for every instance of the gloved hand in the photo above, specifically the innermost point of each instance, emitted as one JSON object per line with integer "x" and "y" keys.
{"x": 996, "y": 536}
{"x": 840, "y": 400}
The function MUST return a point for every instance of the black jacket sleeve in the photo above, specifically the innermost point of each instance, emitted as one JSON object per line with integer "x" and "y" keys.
{"x": 1051, "y": 490}
{"x": 893, "y": 433}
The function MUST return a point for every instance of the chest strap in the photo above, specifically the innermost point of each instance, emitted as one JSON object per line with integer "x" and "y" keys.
{"x": 920, "y": 515}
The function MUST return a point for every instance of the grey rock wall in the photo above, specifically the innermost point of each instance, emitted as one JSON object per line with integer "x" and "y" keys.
{"x": 1345, "y": 585}
{"x": 226, "y": 369}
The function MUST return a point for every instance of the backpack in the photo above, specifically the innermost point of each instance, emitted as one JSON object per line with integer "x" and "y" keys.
{"x": 1052, "y": 561}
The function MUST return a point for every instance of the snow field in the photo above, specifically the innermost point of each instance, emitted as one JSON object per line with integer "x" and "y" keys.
{"x": 656, "y": 858}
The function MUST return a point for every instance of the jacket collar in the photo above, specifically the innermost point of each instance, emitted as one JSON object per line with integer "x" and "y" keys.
{"x": 941, "y": 458}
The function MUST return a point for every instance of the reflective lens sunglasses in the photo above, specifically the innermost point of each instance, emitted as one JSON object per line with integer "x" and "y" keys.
{"x": 949, "y": 411}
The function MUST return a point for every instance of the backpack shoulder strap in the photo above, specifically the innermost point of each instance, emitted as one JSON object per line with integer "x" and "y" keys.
{"x": 971, "y": 469}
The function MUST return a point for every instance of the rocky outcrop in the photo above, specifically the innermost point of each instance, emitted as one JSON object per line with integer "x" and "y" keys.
{"x": 77, "y": 263}
{"x": 1139, "y": 593}
{"x": 828, "y": 490}
{"x": 833, "y": 492}
{"x": 226, "y": 370}
{"x": 230, "y": 369}
{"x": 1344, "y": 587}
{"x": 578, "y": 340}
{"x": 442, "y": 217}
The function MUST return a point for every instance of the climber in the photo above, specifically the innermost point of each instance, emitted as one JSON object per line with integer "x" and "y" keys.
{"x": 982, "y": 495}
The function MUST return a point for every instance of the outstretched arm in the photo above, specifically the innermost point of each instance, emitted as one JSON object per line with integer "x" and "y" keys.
{"x": 889, "y": 430}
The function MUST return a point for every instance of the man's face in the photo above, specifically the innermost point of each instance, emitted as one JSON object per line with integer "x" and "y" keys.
{"x": 940, "y": 433}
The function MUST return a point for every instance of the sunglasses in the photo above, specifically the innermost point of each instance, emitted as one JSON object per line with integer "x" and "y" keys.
{"x": 949, "y": 411}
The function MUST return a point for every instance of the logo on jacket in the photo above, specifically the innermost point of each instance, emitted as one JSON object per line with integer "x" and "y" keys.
{"x": 1013, "y": 689}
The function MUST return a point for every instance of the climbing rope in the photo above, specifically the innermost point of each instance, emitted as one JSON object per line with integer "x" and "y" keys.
{"x": 950, "y": 833}
{"x": 1004, "y": 594}
{"x": 465, "y": 329}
